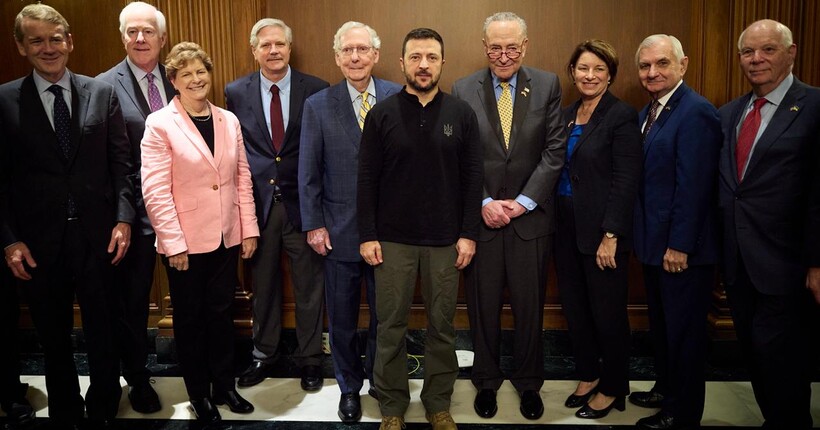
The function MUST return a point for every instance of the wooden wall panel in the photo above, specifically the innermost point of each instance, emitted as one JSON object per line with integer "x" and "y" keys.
{"x": 708, "y": 30}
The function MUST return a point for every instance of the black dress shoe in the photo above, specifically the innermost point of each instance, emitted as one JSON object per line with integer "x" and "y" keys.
{"x": 485, "y": 404}
{"x": 254, "y": 374}
{"x": 661, "y": 420}
{"x": 19, "y": 413}
{"x": 144, "y": 398}
{"x": 236, "y": 403}
{"x": 587, "y": 412}
{"x": 350, "y": 408}
{"x": 576, "y": 401}
{"x": 312, "y": 378}
{"x": 373, "y": 393}
{"x": 646, "y": 399}
{"x": 205, "y": 411}
{"x": 532, "y": 407}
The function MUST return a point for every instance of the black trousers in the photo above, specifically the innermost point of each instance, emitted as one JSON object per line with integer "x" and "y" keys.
{"x": 50, "y": 293}
{"x": 202, "y": 297}
{"x": 594, "y": 304}
{"x": 678, "y": 305}
{"x": 507, "y": 261}
{"x": 778, "y": 347}
{"x": 10, "y": 387}
{"x": 133, "y": 279}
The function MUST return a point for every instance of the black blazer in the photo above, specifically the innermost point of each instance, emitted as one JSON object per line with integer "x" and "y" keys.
{"x": 35, "y": 177}
{"x": 135, "y": 109}
{"x": 604, "y": 170}
{"x": 269, "y": 170}
{"x": 772, "y": 217}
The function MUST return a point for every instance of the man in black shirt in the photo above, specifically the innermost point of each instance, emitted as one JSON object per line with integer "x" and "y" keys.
{"x": 419, "y": 204}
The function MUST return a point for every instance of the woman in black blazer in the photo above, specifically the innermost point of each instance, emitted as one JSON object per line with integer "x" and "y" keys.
{"x": 596, "y": 194}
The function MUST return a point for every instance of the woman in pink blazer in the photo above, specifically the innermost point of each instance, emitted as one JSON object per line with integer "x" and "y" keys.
{"x": 197, "y": 188}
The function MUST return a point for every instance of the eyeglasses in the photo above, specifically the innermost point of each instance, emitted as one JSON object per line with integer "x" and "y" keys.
{"x": 349, "y": 50}
{"x": 495, "y": 52}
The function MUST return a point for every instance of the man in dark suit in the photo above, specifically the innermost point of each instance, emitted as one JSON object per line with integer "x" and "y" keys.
{"x": 519, "y": 115}
{"x": 770, "y": 206}
{"x": 66, "y": 204}
{"x": 269, "y": 104}
{"x": 142, "y": 88}
{"x": 675, "y": 239}
{"x": 328, "y": 166}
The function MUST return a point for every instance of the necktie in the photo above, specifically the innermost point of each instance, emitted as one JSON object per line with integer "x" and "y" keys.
{"x": 154, "y": 99}
{"x": 650, "y": 118}
{"x": 364, "y": 109}
{"x": 505, "y": 112}
{"x": 277, "y": 124}
{"x": 748, "y": 131}
{"x": 62, "y": 128}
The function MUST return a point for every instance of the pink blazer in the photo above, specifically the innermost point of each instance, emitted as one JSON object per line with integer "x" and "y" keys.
{"x": 196, "y": 200}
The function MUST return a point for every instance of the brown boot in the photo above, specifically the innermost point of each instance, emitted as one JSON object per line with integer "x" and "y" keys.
{"x": 441, "y": 421}
{"x": 392, "y": 423}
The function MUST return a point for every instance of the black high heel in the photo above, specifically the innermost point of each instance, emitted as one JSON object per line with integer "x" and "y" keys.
{"x": 587, "y": 412}
{"x": 576, "y": 401}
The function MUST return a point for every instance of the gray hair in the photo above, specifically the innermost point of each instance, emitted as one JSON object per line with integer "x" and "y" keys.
{"x": 677, "y": 48}
{"x": 506, "y": 16}
{"x": 267, "y": 22}
{"x": 132, "y": 7}
{"x": 785, "y": 34}
{"x": 375, "y": 41}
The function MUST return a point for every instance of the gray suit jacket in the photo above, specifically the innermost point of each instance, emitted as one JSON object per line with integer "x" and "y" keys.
{"x": 135, "y": 109}
{"x": 328, "y": 166}
{"x": 537, "y": 145}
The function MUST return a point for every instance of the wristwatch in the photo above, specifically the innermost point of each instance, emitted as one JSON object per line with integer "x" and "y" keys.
{"x": 610, "y": 235}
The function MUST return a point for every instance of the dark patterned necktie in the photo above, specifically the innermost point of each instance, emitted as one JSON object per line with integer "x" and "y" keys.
{"x": 650, "y": 118}
{"x": 62, "y": 128}
{"x": 277, "y": 124}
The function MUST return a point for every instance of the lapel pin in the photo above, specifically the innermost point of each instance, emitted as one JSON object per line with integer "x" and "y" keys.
{"x": 525, "y": 92}
{"x": 667, "y": 108}
{"x": 794, "y": 108}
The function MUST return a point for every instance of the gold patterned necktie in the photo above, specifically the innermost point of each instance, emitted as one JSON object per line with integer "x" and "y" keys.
{"x": 363, "y": 110}
{"x": 505, "y": 112}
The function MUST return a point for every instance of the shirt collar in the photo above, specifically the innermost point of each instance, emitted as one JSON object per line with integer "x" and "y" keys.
{"x": 354, "y": 93}
{"x": 513, "y": 81}
{"x": 665, "y": 99}
{"x": 283, "y": 84}
{"x": 43, "y": 85}
{"x": 139, "y": 73}
{"x": 776, "y": 96}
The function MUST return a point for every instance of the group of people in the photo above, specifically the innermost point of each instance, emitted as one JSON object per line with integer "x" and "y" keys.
{"x": 376, "y": 183}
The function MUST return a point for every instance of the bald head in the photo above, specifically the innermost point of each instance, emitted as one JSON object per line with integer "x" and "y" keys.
{"x": 766, "y": 51}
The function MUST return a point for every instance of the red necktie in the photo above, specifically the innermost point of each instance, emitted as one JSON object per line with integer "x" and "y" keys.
{"x": 746, "y": 138}
{"x": 277, "y": 125}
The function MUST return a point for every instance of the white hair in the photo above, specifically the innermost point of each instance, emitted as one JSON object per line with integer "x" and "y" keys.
{"x": 677, "y": 48}
{"x": 785, "y": 34}
{"x": 506, "y": 16}
{"x": 133, "y": 7}
{"x": 375, "y": 41}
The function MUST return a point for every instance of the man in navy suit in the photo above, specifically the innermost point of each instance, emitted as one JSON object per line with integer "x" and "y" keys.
{"x": 142, "y": 28}
{"x": 269, "y": 105}
{"x": 66, "y": 205}
{"x": 769, "y": 190}
{"x": 328, "y": 167}
{"x": 675, "y": 223}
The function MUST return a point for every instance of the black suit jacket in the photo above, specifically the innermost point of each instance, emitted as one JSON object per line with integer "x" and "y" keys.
{"x": 537, "y": 145}
{"x": 36, "y": 178}
{"x": 135, "y": 109}
{"x": 270, "y": 170}
{"x": 772, "y": 217}
{"x": 604, "y": 170}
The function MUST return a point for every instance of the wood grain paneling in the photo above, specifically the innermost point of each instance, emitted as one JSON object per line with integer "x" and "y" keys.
{"x": 708, "y": 30}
